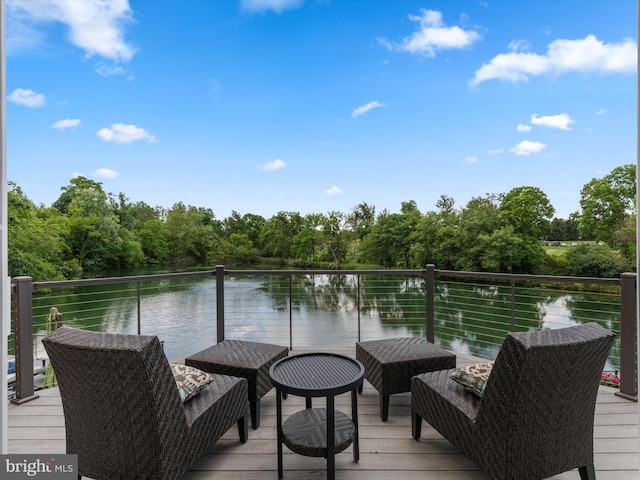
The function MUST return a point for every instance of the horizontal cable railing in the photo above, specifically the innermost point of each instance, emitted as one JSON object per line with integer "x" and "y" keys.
{"x": 466, "y": 312}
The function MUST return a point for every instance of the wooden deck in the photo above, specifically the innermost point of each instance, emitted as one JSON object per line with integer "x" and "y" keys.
{"x": 387, "y": 450}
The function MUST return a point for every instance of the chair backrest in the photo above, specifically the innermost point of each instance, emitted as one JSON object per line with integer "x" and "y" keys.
{"x": 120, "y": 401}
{"x": 540, "y": 398}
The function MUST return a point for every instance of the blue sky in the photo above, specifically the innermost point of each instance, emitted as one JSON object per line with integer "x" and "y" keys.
{"x": 310, "y": 106}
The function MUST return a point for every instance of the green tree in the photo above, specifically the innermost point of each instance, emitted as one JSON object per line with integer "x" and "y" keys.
{"x": 361, "y": 219}
{"x": 425, "y": 248}
{"x": 76, "y": 185}
{"x": 436, "y": 237}
{"x": 446, "y": 207}
{"x": 499, "y": 251}
{"x": 336, "y": 236}
{"x": 406, "y": 232}
{"x": 309, "y": 239}
{"x": 625, "y": 238}
{"x": 479, "y": 217}
{"x": 131, "y": 253}
{"x": 238, "y": 249}
{"x": 192, "y": 233}
{"x": 233, "y": 223}
{"x": 448, "y": 234}
{"x": 600, "y": 262}
{"x": 277, "y": 234}
{"x": 528, "y": 211}
{"x": 389, "y": 244}
{"x": 37, "y": 244}
{"x": 154, "y": 240}
{"x": 94, "y": 230}
{"x": 141, "y": 213}
{"x": 123, "y": 209}
{"x": 565, "y": 229}
{"x": 247, "y": 224}
{"x": 607, "y": 202}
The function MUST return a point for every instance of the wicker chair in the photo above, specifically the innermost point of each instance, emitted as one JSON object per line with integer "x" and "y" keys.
{"x": 536, "y": 416}
{"x": 123, "y": 414}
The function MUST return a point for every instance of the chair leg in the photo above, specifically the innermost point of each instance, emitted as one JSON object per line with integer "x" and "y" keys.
{"x": 416, "y": 426}
{"x": 587, "y": 472}
{"x": 254, "y": 405}
{"x": 384, "y": 407}
{"x": 243, "y": 428}
{"x": 360, "y": 387}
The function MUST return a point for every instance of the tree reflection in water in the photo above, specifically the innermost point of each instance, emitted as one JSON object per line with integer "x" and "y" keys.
{"x": 329, "y": 310}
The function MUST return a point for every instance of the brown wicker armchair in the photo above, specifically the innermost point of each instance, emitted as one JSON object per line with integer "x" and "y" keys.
{"x": 124, "y": 417}
{"x": 536, "y": 416}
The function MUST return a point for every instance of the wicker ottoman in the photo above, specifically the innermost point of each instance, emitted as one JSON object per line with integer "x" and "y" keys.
{"x": 238, "y": 358}
{"x": 389, "y": 364}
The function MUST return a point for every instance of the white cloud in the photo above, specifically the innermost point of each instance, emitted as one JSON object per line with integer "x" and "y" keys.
{"x": 275, "y": 5}
{"x": 95, "y": 26}
{"x": 122, "y": 133}
{"x": 472, "y": 159}
{"x": 109, "y": 70}
{"x": 276, "y": 164}
{"x": 602, "y": 111}
{"x": 561, "y": 121}
{"x": 105, "y": 173}
{"x": 524, "y": 128}
{"x": 365, "y": 108}
{"x": 66, "y": 123}
{"x": 26, "y": 97}
{"x": 526, "y": 148}
{"x": 563, "y": 56}
{"x": 333, "y": 191}
{"x": 433, "y": 35}
{"x": 519, "y": 46}
{"x": 496, "y": 151}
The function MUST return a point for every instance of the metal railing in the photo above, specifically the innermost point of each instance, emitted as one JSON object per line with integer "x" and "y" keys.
{"x": 438, "y": 304}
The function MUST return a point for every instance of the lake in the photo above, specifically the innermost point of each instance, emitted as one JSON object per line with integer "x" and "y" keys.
{"x": 319, "y": 310}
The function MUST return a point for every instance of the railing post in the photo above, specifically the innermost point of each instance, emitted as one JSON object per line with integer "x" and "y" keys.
{"x": 290, "y": 312}
{"x": 430, "y": 274}
{"x": 138, "y": 305}
{"x": 220, "y": 302}
{"x": 628, "y": 338}
{"x": 513, "y": 305}
{"x": 23, "y": 330}
{"x": 359, "y": 300}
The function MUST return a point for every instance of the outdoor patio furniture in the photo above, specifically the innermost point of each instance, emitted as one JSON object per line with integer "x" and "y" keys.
{"x": 124, "y": 416}
{"x": 390, "y": 363}
{"x": 320, "y": 431}
{"x": 535, "y": 417}
{"x": 250, "y": 360}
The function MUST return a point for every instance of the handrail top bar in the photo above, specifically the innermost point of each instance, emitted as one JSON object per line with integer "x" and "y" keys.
{"x": 523, "y": 276}
{"x": 440, "y": 273}
{"x": 111, "y": 280}
{"x": 324, "y": 272}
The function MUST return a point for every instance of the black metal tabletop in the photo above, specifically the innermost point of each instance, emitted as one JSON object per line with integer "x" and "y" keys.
{"x": 316, "y": 374}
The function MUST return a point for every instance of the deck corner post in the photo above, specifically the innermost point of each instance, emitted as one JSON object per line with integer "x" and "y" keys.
{"x": 219, "y": 272}
{"x": 23, "y": 329}
{"x": 628, "y": 338}
{"x": 430, "y": 276}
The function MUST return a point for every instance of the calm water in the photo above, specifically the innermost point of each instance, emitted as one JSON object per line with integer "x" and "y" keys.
{"x": 470, "y": 318}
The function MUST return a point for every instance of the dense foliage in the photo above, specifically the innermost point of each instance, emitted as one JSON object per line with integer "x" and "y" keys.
{"x": 88, "y": 229}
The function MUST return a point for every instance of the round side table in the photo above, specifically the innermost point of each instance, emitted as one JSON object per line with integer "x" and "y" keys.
{"x": 317, "y": 432}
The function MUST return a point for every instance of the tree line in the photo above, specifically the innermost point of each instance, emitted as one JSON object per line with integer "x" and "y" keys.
{"x": 87, "y": 230}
